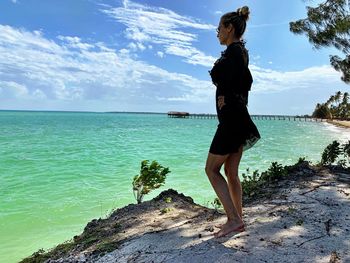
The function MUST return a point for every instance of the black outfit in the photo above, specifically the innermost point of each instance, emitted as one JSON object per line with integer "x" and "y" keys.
{"x": 231, "y": 76}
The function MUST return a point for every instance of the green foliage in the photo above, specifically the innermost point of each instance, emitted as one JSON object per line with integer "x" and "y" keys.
{"x": 336, "y": 107}
{"x": 342, "y": 163}
{"x": 328, "y": 25}
{"x": 275, "y": 172}
{"x": 331, "y": 153}
{"x": 291, "y": 210}
{"x": 301, "y": 160}
{"x": 152, "y": 176}
{"x": 42, "y": 256}
{"x": 322, "y": 111}
{"x": 168, "y": 200}
{"x": 216, "y": 203}
{"x": 299, "y": 222}
{"x": 165, "y": 210}
{"x": 336, "y": 152}
{"x": 250, "y": 183}
{"x": 346, "y": 149}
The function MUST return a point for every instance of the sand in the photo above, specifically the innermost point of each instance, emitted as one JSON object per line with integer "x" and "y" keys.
{"x": 345, "y": 124}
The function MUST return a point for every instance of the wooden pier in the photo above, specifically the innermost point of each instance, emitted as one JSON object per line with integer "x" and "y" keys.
{"x": 174, "y": 114}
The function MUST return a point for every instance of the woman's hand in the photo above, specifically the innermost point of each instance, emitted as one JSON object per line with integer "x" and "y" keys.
{"x": 221, "y": 102}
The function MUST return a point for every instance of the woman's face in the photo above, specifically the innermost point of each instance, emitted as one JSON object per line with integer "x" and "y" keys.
{"x": 224, "y": 33}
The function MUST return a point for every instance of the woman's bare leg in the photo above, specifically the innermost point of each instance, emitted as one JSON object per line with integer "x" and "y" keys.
{"x": 234, "y": 183}
{"x": 212, "y": 169}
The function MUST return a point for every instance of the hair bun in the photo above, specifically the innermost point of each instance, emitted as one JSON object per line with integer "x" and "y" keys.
{"x": 244, "y": 12}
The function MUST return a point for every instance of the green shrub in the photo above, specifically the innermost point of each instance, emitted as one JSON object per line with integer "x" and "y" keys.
{"x": 165, "y": 210}
{"x": 301, "y": 160}
{"x": 276, "y": 171}
{"x": 151, "y": 177}
{"x": 168, "y": 200}
{"x": 346, "y": 149}
{"x": 250, "y": 183}
{"x": 331, "y": 153}
{"x": 216, "y": 203}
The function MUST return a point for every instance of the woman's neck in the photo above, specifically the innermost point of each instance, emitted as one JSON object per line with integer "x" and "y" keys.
{"x": 232, "y": 40}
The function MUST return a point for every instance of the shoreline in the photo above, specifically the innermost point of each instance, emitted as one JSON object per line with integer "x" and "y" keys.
{"x": 339, "y": 123}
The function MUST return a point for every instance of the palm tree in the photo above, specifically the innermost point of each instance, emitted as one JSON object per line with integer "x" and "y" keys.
{"x": 344, "y": 106}
{"x": 337, "y": 97}
{"x": 322, "y": 111}
{"x": 345, "y": 97}
{"x": 330, "y": 100}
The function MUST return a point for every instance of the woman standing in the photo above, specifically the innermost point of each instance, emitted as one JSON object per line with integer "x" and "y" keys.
{"x": 236, "y": 131}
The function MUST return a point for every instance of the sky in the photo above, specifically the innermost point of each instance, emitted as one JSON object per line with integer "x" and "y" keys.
{"x": 154, "y": 56}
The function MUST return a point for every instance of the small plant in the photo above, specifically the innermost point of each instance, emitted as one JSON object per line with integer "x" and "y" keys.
{"x": 336, "y": 152}
{"x": 331, "y": 153}
{"x": 250, "y": 183}
{"x": 346, "y": 149}
{"x": 216, "y": 203}
{"x": 275, "y": 172}
{"x": 168, "y": 200}
{"x": 152, "y": 176}
{"x": 165, "y": 210}
{"x": 301, "y": 160}
{"x": 291, "y": 210}
{"x": 342, "y": 163}
{"x": 299, "y": 222}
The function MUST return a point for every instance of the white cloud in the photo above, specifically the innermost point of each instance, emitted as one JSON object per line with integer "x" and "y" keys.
{"x": 14, "y": 1}
{"x": 162, "y": 27}
{"x": 141, "y": 46}
{"x": 33, "y": 67}
{"x": 39, "y": 94}
{"x": 12, "y": 89}
{"x": 75, "y": 42}
{"x": 160, "y": 54}
{"x": 132, "y": 46}
{"x": 267, "y": 80}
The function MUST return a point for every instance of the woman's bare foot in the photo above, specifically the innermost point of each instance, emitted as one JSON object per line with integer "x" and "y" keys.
{"x": 220, "y": 226}
{"x": 228, "y": 227}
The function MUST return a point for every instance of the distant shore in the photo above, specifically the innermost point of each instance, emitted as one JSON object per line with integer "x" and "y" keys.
{"x": 345, "y": 124}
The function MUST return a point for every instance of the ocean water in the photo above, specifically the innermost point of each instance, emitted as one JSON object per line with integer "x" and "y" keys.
{"x": 59, "y": 170}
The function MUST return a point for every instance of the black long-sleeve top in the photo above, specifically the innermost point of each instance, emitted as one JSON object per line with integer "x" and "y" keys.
{"x": 232, "y": 78}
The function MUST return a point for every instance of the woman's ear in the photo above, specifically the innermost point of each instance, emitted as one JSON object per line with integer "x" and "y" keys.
{"x": 231, "y": 28}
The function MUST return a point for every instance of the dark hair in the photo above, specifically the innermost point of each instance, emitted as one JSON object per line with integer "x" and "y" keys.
{"x": 238, "y": 20}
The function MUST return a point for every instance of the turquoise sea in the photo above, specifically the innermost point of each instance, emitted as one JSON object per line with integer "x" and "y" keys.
{"x": 59, "y": 170}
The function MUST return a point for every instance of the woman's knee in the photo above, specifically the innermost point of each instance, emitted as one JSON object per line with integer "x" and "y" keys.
{"x": 209, "y": 169}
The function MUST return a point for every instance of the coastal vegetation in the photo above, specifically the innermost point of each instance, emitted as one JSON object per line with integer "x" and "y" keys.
{"x": 336, "y": 107}
{"x": 334, "y": 154}
{"x": 328, "y": 25}
{"x": 152, "y": 176}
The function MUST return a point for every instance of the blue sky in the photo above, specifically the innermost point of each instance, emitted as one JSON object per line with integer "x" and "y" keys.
{"x": 153, "y": 56}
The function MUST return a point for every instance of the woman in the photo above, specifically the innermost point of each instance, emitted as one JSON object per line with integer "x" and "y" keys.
{"x": 236, "y": 131}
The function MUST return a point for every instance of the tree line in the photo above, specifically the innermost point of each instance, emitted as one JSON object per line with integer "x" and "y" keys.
{"x": 336, "y": 107}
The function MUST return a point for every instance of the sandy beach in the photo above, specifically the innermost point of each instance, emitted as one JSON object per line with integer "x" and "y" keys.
{"x": 339, "y": 123}
{"x": 301, "y": 218}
